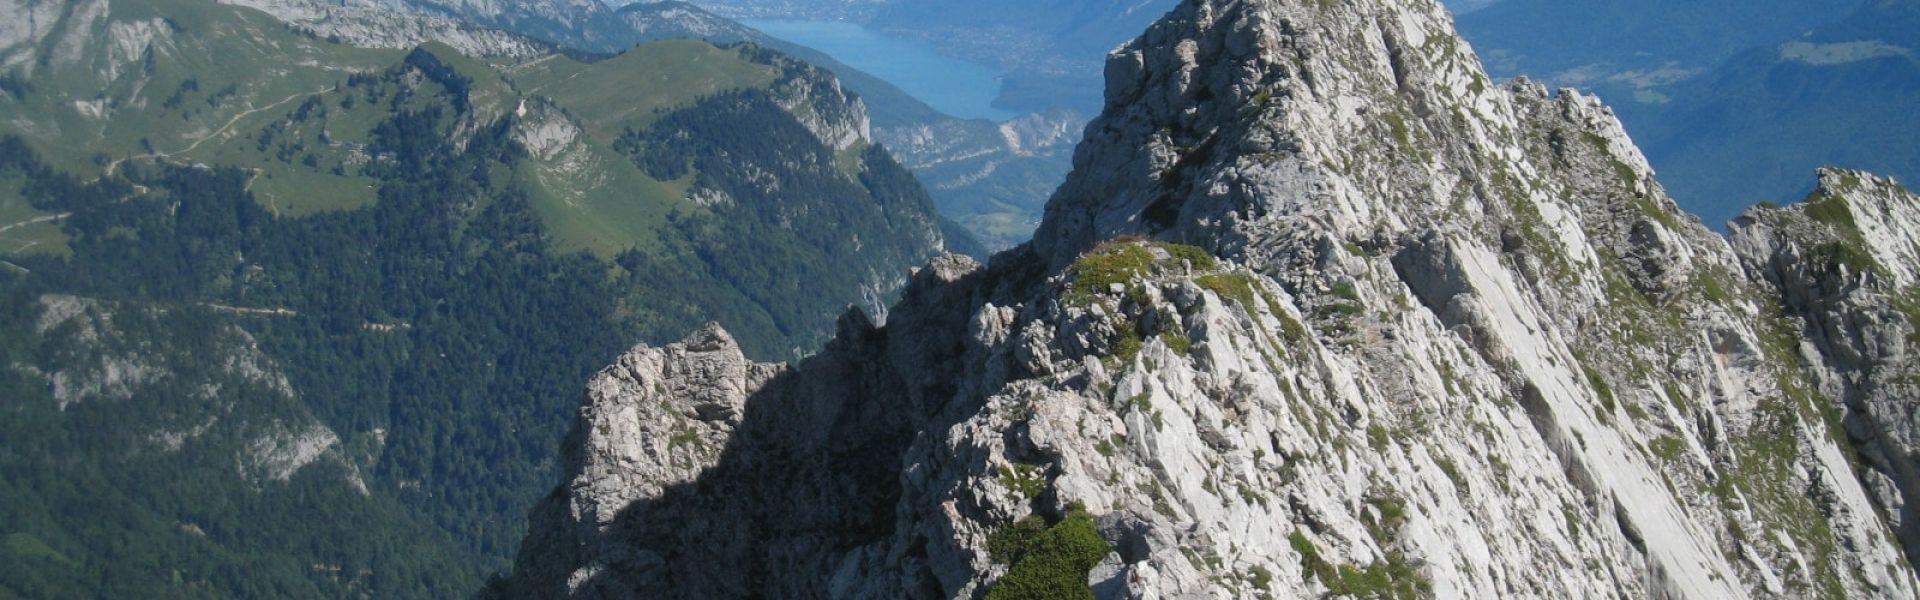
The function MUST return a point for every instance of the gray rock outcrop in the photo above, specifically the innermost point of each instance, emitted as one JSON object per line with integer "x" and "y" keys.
{"x": 1843, "y": 263}
{"x": 1321, "y": 311}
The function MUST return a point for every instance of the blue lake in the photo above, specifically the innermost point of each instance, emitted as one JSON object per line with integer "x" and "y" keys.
{"x": 953, "y": 86}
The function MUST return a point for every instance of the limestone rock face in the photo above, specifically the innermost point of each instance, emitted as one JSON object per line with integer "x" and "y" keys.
{"x": 1321, "y": 311}
{"x": 110, "y": 356}
{"x": 392, "y": 24}
{"x": 481, "y": 27}
{"x": 1843, "y": 264}
{"x": 670, "y": 19}
{"x": 77, "y": 37}
{"x": 817, "y": 100}
{"x": 691, "y": 453}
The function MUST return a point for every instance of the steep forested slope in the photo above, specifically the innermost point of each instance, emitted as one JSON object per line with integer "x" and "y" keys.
{"x": 286, "y": 317}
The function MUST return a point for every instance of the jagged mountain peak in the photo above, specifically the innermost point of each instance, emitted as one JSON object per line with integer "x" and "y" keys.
{"x": 1875, "y": 216}
{"x": 1322, "y": 310}
{"x": 1361, "y": 117}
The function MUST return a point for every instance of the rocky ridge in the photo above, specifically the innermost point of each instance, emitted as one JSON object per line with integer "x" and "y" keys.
{"x": 476, "y": 27}
{"x": 1843, "y": 264}
{"x": 1322, "y": 310}
{"x": 495, "y": 28}
{"x": 392, "y": 25}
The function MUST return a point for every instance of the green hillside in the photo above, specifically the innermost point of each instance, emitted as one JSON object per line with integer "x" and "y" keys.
{"x": 23, "y": 228}
{"x": 301, "y": 117}
{"x": 170, "y": 77}
{"x": 630, "y": 90}
{"x": 309, "y": 320}
{"x": 231, "y": 86}
{"x": 620, "y": 207}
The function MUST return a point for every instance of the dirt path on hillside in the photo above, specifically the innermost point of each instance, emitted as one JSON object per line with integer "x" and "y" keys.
{"x": 39, "y": 219}
{"x": 115, "y": 165}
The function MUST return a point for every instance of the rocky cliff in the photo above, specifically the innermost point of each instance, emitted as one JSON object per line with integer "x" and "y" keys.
{"x": 497, "y": 27}
{"x": 392, "y": 24}
{"x": 1843, "y": 263}
{"x": 1322, "y": 310}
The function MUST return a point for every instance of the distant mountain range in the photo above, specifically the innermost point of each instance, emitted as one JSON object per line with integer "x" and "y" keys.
{"x": 1632, "y": 44}
{"x": 992, "y": 178}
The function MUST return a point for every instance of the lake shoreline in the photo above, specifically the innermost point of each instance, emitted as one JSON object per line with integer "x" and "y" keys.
{"x": 956, "y": 87}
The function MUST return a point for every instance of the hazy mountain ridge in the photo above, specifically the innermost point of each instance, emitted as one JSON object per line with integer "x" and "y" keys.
{"x": 1753, "y": 126}
{"x": 393, "y": 25}
{"x": 1638, "y": 44}
{"x": 1731, "y": 103}
{"x": 1321, "y": 311}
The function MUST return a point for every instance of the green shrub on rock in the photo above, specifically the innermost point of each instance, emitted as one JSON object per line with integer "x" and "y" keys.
{"x": 1049, "y": 562}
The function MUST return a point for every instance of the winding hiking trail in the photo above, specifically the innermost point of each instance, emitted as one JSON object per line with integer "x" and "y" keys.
{"x": 39, "y": 219}
{"x": 222, "y": 130}
{"x": 247, "y": 310}
{"x": 27, "y": 243}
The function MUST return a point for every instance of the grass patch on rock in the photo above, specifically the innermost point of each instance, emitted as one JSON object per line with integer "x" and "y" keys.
{"x": 1048, "y": 562}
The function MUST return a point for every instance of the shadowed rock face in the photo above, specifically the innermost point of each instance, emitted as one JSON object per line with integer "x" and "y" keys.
{"x": 690, "y": 454}
{"x": 1321, "y": 310}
